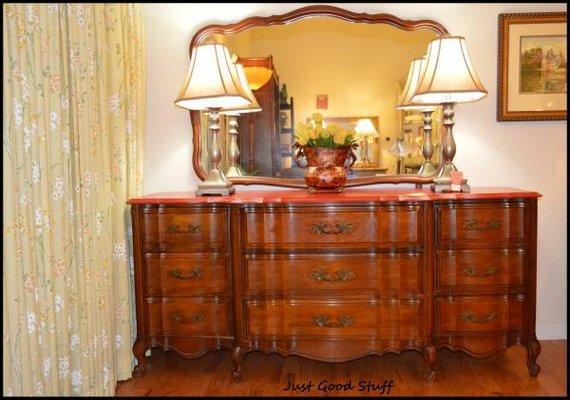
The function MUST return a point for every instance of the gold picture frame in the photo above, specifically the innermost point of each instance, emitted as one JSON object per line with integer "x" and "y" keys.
{"x": 532, "y": 68}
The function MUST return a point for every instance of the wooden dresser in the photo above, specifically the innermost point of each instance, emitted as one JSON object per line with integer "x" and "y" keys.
{"x": 336, "y": 277}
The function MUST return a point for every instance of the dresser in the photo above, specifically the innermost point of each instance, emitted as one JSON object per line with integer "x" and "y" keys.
{"x": 336, "y": 277}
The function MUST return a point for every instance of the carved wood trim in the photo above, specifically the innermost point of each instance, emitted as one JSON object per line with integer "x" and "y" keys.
{"x": 284, "y": 19}
{"x": 315, "y": 11}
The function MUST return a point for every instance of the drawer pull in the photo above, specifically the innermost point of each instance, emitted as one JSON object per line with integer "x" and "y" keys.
{"x": 328, "y": 228}
{"x": 341, "y": 275}
{"x": 192, "y": 229}
{"x": 199, "y": 316}
{"x": 344, "y": 321}
{"x": 474, "y": 225}
{"x": 492, "y": 270}
{"x": 470, "y": 316}
{"x": 195, "y": 273}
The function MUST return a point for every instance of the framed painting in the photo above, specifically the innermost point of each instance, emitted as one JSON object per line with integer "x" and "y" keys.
{"x": 532, "y": 75}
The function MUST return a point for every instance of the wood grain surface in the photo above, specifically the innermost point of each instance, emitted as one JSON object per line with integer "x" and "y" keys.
{"x": 340, "y": 280}
{"x": 503, "y": 374}
{"x": 349, "y": 195}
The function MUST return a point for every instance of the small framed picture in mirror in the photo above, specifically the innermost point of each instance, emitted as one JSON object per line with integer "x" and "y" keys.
{"x": 532, "y": 78}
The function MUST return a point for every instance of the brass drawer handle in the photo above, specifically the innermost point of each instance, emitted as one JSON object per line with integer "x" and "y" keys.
{"x": 192, "y": 229}
{"x": 330, "y": 228}
{"x": 475, "y": 225}
{"x": 472, "y": 272}
{"x": 341, "y": 275}
{"x": 470, "y": 316}
{"x": 199, "y": 316}
{"x": 195, "y": 273}
{"x": 344, "y": 321}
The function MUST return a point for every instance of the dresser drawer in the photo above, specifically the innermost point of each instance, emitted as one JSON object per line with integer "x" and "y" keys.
{"x": 480, "y": 268}
{"x": 481, "y": 223}
{"x": 313, "y": 272}
{"x": 184, "y": 229}
{"x": 189, "y": 317}
{"x": 479, "y": 313}
{"x": 186, "y": 274}
{"x": 382, "y": 319}
{"x": 331, "y": 227}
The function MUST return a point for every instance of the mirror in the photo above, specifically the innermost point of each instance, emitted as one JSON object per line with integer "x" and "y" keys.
{"x": 323, "y": 61}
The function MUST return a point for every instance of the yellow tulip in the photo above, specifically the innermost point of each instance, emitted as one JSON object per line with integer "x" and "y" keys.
{"x": 339, "y": 137}
{"x": 302, "y": 134}
{"x": 325, "y": 133}
{"x": 314, "y": 132}
{"x": 334, "y": 129}
{"x": 301, "y": 130}
{"x": 302, "y": 140}
{"x": 318, "y": 118}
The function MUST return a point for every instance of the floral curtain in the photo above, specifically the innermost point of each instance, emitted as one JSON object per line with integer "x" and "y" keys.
{"x": 73, "y": 120}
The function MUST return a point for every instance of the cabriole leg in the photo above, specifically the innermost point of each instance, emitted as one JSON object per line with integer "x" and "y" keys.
{"x": 139, "y": 350}
{"x": 533, "y": 350}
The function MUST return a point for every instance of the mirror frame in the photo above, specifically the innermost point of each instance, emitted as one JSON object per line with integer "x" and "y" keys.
{"x": 285, "y": 19}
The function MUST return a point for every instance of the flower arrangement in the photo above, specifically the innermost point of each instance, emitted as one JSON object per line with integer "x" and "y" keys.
{"x": 315, "y": 134}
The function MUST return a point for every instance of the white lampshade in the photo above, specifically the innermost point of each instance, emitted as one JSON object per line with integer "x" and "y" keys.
{"x": 253, "y": 106}
{"x": 411, "y": 85}
{"x": 212, "y": 80}
{"x": 449, "y": 76}
{"x": 364, "y": 128}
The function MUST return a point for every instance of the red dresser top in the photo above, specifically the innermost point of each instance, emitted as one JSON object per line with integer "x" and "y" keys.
{"x": 349, "y": 195}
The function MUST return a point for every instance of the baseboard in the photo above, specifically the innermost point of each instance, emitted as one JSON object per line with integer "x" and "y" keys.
{"x": 551, "y": 332}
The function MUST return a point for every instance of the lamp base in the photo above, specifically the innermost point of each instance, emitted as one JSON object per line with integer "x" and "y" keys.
{"x": 427, "y": 169}
{"x": 445, "y": 170}
{"x": 215, "y": 184}
{"x": 443, "y": 185}
{"x": 235, "y": 172}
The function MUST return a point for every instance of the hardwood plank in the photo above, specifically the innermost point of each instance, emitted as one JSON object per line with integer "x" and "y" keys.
{"x": 503, "y": 374}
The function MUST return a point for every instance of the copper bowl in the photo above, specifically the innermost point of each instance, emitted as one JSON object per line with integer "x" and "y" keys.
{"x": 326, "y": 169}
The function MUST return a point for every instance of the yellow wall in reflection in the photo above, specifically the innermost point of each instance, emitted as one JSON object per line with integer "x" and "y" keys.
{"x": 361, "y": 67}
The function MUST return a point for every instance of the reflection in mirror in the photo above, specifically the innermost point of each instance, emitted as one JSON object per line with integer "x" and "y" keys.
{"x": 351, "y": 73}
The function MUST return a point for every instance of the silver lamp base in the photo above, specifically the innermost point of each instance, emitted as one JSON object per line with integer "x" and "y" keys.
{"x": 235, "y": 171}
{"x": 427, "y": 169}
{"x": 215, "y": 184}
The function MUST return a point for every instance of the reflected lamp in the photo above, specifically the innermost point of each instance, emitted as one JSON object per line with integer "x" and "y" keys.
{"x": 235, "y": 170}
{"x": 414, "y": 73}
{"x": 212, "y": 84}
{"x": 364, "y": 129}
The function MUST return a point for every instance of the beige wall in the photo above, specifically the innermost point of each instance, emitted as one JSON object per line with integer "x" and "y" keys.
{"x": 361, "y": 67}
{"x": 529, "y": 155}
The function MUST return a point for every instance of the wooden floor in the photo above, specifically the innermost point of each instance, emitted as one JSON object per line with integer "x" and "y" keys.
{"x": 503, "y": 374}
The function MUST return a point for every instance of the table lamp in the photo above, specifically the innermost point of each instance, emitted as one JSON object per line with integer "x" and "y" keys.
{"x": 448, "y": 78}
{"x": 211, "y": 84}
{"x": 235, "y": 170}
{"x": 257, "y": 76}
{"x": 364, "y": 128}
{"x": 427, "y": 168}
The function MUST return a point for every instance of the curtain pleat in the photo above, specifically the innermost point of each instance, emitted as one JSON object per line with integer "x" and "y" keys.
{"x": 74, "y": 108}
